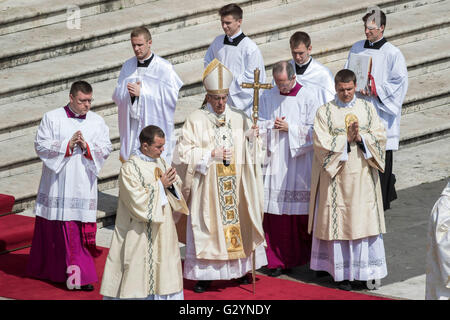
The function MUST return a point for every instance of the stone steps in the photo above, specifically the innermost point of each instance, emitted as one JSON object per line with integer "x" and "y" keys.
{"x": 20, "y": 15}
{"x": 22, "y": 159}
{"x": 111, "y": 27}
{"x": 184, "y": 45}
{"x": 429, "y": 90}
{"x": 31, "y": 89}
{"x": 434, "y": 57}
{"x": 435, "y": 121}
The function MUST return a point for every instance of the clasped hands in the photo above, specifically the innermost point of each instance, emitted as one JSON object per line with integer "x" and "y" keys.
{"x": 221, "y": 153}
{"x": 169, "y": 177}
{"x": 134, "y": 88}
{"x": 281, "y": 124}
{"x": 77, "y": 139}
{"x": 353, "y": 133}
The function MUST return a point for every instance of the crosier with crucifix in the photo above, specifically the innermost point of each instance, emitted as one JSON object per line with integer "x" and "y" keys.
{"x": 256, "y": 86}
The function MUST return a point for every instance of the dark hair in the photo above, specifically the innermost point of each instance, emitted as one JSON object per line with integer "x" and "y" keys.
{"x": 372, "y": 15}
{"x": 231, "y": 9}
{"x": 345, "y": 75}
{"x": 148, "y": 134}
{"x": 141, "y": 31}
{"x": 300, "y": 37}
{"x": 82, "y": 86}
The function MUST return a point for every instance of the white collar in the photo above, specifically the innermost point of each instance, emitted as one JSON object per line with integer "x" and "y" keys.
{"x": 143, "y": 156}
{"x": 343, "y": 104}
{"x": 235, "y": 35}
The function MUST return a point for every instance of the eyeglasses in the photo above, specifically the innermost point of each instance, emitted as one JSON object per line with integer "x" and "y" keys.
{"x": 83, "y": 101}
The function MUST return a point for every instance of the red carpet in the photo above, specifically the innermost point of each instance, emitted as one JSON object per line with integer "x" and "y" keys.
{"x": 16, "y": 285}
{"x": 268, "y": 288}
{"x": 6, "y": 203}
{"x": 15, "y": 231}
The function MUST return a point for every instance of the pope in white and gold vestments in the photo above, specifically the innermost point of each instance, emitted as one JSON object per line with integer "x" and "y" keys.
{"x": 225, "y": 202}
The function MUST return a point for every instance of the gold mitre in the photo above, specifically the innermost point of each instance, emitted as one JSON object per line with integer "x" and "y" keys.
{"x": 217, "y": 78}
{"x": 349, "y": 119}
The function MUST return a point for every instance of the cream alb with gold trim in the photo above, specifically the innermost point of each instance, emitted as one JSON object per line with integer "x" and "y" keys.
{"x": 144, "y": 258}
{"x": 349, "y": 205}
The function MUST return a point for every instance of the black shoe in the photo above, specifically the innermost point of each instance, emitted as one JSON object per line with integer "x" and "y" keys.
{"x": 321, "y": 274}
{"x": 247, "y": 279}
{"x": 344, "y": 285}
{"x": 87, "y": 287}
{"x": 202, "y": 285}
{"x": 275, "y": 272}
{"x": 286, "y": 271}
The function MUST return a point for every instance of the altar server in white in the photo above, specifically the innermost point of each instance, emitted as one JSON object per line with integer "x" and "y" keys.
{"x": 73, "y": 144}
{"x": 146, "y": 94}
{"x": 387, "y": 89}
{"x": 311, "y": 72}
{"x": 239, "y": 54}
{"x": 286, "y": 115}
{"x": 438, "y": 249}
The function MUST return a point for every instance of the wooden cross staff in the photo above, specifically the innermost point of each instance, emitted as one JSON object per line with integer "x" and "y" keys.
{"x": 256, "y": 85}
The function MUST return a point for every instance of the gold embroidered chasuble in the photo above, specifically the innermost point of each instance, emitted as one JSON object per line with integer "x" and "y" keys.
{"x": 226, "y": 203}
{"x": 349, "y": 202}
{"x": 144, "y": 257}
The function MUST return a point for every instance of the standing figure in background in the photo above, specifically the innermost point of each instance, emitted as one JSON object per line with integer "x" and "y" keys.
{"x": 310, "y": 72}
{"x": 239, "y": 54}
{"x": 386, "y": 90}
{"x": 286, "y": 120}
{"x": 146, "y": 94}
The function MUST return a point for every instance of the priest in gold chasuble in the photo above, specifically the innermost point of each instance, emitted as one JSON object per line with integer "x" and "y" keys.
{"x": 144, "y": 261}
{"x": 346, "y": 214}
{"x": 218, "y": 158}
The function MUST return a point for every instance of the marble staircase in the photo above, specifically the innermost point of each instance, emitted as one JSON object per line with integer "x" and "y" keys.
{"x": 41, "y": 57}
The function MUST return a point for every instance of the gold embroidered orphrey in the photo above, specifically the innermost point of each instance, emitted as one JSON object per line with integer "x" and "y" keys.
{"x": 226, "y": 184}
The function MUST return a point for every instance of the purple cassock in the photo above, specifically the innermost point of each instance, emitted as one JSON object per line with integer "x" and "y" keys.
{"x": 61, "y": 248}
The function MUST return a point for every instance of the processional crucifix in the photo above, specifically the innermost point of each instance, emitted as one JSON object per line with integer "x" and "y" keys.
{"x": 256, "y": 85}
